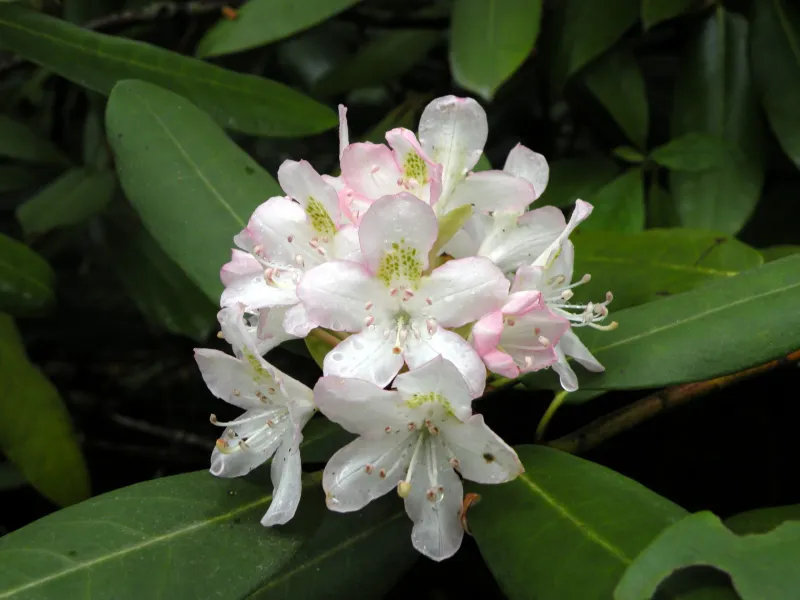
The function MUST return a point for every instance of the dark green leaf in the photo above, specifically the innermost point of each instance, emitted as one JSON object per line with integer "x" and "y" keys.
{"x": 483, "y": 164}
{"x": 642, "y": 267}
{"x": 261, "y": 22}
{"x": 317, "y": 348}
{"x": 715, "y": 95}
{"x": 361, "y": 554}
{"x": 192, "y": 186}
{"x": 449, "y": 225}
{"x": 35, "y": 429}
{"x": 694, "y": 152}
{"x": 20, "y": 141}
{"x": 776, "y": 252}
{"x": 617, "y": 82}
{"x": 661, "y": 210}
{"x": 16, "y": 177}
{"x": 10, "y": 477}
{"x": 629, "y": 154}
{"x": 241, "y": 102}
{"x": 188, "y": 536}
{"x": 775, "y": 50}
{"x": 489, "y": 41}
{"x": 619, "y": 206}
{"x": 760, "y": 565}
{"x": 77, "y": 195}
{"x": 403, "y": 115}
{"x": 763, "y": 519}
{"x": 321, "y": 438}
{"x": 27, "y": 280}
{"x": 656, "y": 11}
{"x": 574, "y": 178}
{"x": 698, "y": 334}
{"x": 566, "y": 528}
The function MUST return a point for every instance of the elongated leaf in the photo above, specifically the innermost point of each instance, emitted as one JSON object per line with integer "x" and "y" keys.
{"x": 762, "y": 520}
{"x": 19, "y": 141}
{"x": 583, "y": 523}
{"x": 261, "y": 22}
{"x": 775, "y": 48}
{"x": 715, "y": 95}
{"x": 616, "y": 80}
{"x": 776, "y": 252}
{"x": 661, "y": 210}
{"x": 35, "y": 429}
{"x": 382, "y": 60}
{"x": 694, "y": 152}
{"x": 188, "y": 536}
{"x": 656, "y": 11}
{"x": 241, "y": 102}
{"x": 359, "y": 554}
{"x": 490, "y": 39}
{"x": 193, "y": 188}
{"x": 646, "y": 266}
{"x": 721, "y": 328}
{"x": 27, "y": 280}
{"x": 16, "y": 177}
{"x": 574, "y": 178}
{"x": 760, "y": 565}
{"x": 403, "y": 115}
{"x": 321, "y": 438}
{"x": 619, "y": 206}
{"x": 10, "y": 477}
{"x": 74, "y": 197}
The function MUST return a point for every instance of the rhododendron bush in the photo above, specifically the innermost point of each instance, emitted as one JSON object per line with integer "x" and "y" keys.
{"x": 400, "y": 325}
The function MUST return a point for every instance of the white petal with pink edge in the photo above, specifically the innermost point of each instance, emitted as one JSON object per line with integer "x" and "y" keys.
{"x": 490, "y": 191}
{"x": 531, "y": 166}
{"x": 369, "y": 355}
{"x": 370, "y": 170}
{"x": 319, "y": 200}
{"x": 286, "y": 472}
{"x": 452, "y": 347}
{"x": 440, "y": 378}
{"x": 482, "y": 456}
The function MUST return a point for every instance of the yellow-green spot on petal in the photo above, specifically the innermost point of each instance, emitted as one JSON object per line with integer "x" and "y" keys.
{"x": 320, "y": 219}
{"x": 401, "y": 263}
{"x": 418, "y": 400}
{"x": 415, "y": 168}
{"x": 261, "y": 374}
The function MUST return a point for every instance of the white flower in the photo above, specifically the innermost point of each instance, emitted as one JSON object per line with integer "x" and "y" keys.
{"x": 414, "y": 438}
{"x": 276, "y": 407}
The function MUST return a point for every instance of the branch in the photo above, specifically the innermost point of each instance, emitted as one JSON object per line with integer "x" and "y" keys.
{"x": 627, "y": 417}
{"x": 173, "y": 435}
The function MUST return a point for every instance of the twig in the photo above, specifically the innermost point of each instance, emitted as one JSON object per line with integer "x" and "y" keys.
{"x": 174, "y": 435}
{"x": 621, "y": 420}
{"x": 555, "y": 404}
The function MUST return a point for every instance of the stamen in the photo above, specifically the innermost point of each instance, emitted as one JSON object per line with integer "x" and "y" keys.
{"x": 544, "y": 341}
{"x": 257, "y": 250}
{"x": 368, "y": 306}
{"x": 290, "y": 239}
{"x": 610, "y": 327}
{"x": 429, "y": 301}
{"x": 299, "y": 260}
{"x": 369, "y": 321}
{"x": 375, "y": 169}
{"x": 404, "y": 487}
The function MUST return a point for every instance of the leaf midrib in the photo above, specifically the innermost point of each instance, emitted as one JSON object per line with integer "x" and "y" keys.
{"x": 659, "y": 265}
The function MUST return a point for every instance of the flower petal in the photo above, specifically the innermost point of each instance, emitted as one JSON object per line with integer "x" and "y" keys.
{"x": 441, "y": 377}
{"x": 229, "y": 378}
{"x": 253, "y": 292}
{"x": 370, "y": 170}
{"x": 580, "y": 214}
{"x": 296, "y": 321}
{"x": 240, "y": 459}
{"x": 366, "y": 469}
{"x": 572, "y": 346}
{"x": 567, "y": 377}
{"x": 344, "y": 132}
{"x": 346, "y": 245}
{"x": 486, "y": 332}
{"x": 421, "y": 175}
{"x": 531, "y": 166}
{"x": 491, "y": 191}
{"x": 529, "y": 278}
{"x": 319, "y": 200}
{"x": 269, "y": 330}
{"x": 482, "y": 456}
{"x": 287, "y": 485}
{"x": 512, "y": 245}
{"x": 452, "y": 347}
{"x": 501, "y": 363}
{"x": 367, "y": 355}
{"x": 241, "y": 263}
{"x": 467, "y": 241}
{"x": 362, "y": 407}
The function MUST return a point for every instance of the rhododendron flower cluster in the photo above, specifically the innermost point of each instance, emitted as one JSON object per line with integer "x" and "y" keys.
{"x": 418, "y": 312}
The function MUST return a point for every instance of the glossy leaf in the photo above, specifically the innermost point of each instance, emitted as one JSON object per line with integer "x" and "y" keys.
{"x": 760, "y": 565}
{"x": 35, "y": 429}
{"x": 646, "y": 266}
{"x": 619, "y": 205}
{"x": 775, "y": 51}
{"x": 490, "y": 39}
{"x": 361, "y": 553}
{"x": 19, "y": 141}
{"x": 192, "y": 186}
{"x": 321, "y": 439}
{"x": 693, "y": 336}
{"x": 96, "y": 61}
{"x": 776, "y": 252}
{"x": 261, "y": 22}
{"x": 656, "y": 11}
{"x": 187, "y": 536}
{"x": 762, "y": 520}
{"x": 27, "y": 280}
{"x": 694, "y": 152}
{"x": 566, "y": 527}
{"x": 616, "y": 80}
{"x": 661, "y": 211}
{"x": 74, "y": 197}
{"x": 715, "y": 95}
{"x": 574, "y": 178}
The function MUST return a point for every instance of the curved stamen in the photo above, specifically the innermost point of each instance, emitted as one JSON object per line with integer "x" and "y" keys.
{"x": 404, "y": 487}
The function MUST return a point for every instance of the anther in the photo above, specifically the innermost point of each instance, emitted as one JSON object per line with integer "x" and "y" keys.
{"x": 369, "y": 321}
{"x": 544, "y": 341}
{"x": 290, "y": 239}
{"x": 431, "y": 326}
{"x": 388, "y": 429}
{"x": 404, "y": 489}
{"x": 220, "y": 335}
{"x": 299, "y": 260}
{"x": 375, "y": 169}
{"x": 258, "y": 249}
{"x": 369, "y": 469}
{"x": 368, "y": 306}
{"x": 429, "y": 301}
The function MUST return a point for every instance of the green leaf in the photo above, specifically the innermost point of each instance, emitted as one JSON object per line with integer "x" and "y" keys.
{"x": 489, "y": 41}
{"x": 656, "y": 11}
{"x": 16, "y": 177}
{"x": 694, "y": 152}
{"x": 260, "y": 22}
{"x": 661, "y": 210}
{"x": 188, "y": 536}
{"x": 27, "y": 279}
{"x": 629, "y": 154}
{"x": 483, "y": 164}
{"x": 11, "y": 478}
{"x": 566, "y": 527}
{"x": 775, "y": 51}
{"x": 380, "y": 61}
{"x": 321, "y": 438}
{"x": 192, "y": 186}
{"x": 760, "y": 565}
{"x": 616, "y": 80}
{"x": 715, "y": 95}
{"x": 19, "y": 141}
{"x": 362, "y": 554}
{"x": 646, "y": 266}
{"x": 721, "y": 328}
{"x": 35, "y": 429}
{"x": 160, "y": 289}
{"x": 619, "y": 206}
{"x": 403, "y": 115}
{"x": 762, "y": 520}
{"x": 776, "y": 252}
{"x": 240, "y": 102}
{"x": 449, "y": 225}
{"x": 574, "y": 178}
{"x": 317, "y": 348}
{"x": 74, "y": 197}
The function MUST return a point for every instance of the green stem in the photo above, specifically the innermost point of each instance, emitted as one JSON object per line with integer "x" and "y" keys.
{"x": 557, "y": 401}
